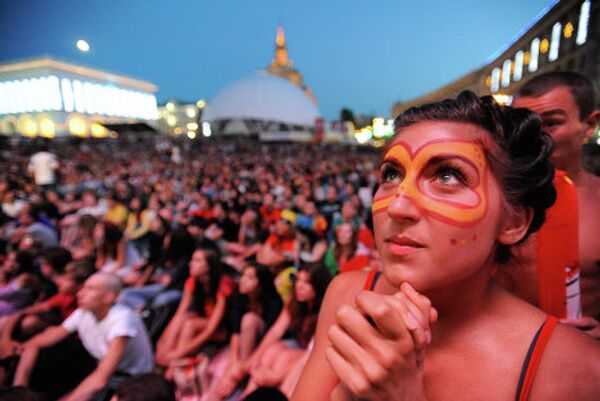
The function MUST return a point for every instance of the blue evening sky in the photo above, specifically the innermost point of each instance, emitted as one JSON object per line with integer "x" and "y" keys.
{"x": 365, "y": 55}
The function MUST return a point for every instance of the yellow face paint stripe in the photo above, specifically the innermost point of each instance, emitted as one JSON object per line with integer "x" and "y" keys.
{"x": 443, "y": 209}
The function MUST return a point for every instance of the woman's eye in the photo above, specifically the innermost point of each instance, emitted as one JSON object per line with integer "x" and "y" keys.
{"x": 451, "y": 176}
{"x": 390, "y": 174}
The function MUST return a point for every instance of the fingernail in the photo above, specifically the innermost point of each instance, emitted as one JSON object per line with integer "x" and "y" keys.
{"x": 411, "y": 321}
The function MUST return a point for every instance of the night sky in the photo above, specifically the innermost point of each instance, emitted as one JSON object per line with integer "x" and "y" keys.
{"x": 360, "y": 54}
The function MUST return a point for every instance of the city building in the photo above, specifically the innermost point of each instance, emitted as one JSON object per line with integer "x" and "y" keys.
{"x": 264, "y": 107}
{"x": 566, "y": 36}
{"x": 48, "y": 98}
{"x": 270, "y": 105}
{"x": 177, "y": 117}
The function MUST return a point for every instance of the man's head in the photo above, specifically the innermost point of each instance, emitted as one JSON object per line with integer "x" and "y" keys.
{"x": 565, "y": 103}
{"x": 99, "y": 292}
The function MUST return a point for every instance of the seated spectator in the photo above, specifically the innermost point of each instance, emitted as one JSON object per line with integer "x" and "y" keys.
{"x": 163, "y": 275}
{"x": 138, "y": 225}
{"x": 350, "y": 214}
{"x": 113, "y": 254}
{"x": 31, "y": 225}
{"x": 113, "y": 334}
{"x": 346, "y": 253}
{"x": 250, "y": 238}
{"x": 289, "y": 337}
{"x": 253, "y": 310}
{"x": 21, "y": 282}
{"x": 82, "y": 245}
{"x": 282, "y": 247}
{"x": 52, "y": 262}
{"x": 199, "y": 319}
{"x": 33, "y": 319}
{"x": 116, "y": 212}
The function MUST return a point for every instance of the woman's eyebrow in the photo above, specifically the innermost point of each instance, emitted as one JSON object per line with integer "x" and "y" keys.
{"x": 443, "y": 158}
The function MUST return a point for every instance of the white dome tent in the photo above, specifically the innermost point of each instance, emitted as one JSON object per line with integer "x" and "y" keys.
{"x": 264, "y": 106}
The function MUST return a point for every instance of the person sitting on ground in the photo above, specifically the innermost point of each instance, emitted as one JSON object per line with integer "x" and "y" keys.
{"x": 111, "y": 333}
{"x": 199, "y": 318}
{"x": 21, "y": 282}
{"x": 253, "y": 310}
{"x": 285, "y": 343}
{"x": 31, "y": 320}
{"x": 346, "y": 253}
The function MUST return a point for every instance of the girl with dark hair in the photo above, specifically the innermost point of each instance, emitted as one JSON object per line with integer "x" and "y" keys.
{"x": 199, "y": 316}
{"x": 461, "y": 182}
{"x": 253, "y": 310}
{"x": 346, "y": 253}
{"x": 289, "y": 337}
{"x": 113, "y": 255}
{"x": 138, "y": 225}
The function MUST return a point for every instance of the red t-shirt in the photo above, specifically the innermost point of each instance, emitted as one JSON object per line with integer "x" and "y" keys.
{"x": 226, "y": 286}
{"x": 281, "y": 244}
{"x": 270, "y": 215}
{"x": 65, "y": 304}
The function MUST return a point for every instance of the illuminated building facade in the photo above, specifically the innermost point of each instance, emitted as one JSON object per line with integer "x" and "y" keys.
{"x": 176, "y": 118}
{"x": 48, "y": 98}
{"x": 565, "y": 37}
{"x": 282, "y": 66}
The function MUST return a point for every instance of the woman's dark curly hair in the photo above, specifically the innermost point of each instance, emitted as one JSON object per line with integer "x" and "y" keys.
{"x": 522, "y": 164}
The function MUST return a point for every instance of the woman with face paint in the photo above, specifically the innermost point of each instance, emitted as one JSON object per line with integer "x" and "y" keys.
{"x": 460, "y": 183}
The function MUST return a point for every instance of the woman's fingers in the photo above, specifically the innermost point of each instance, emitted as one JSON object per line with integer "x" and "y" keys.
{"x": 421, "y": 301}
{"x": 415, "y": 322}
{"x": 370, "y": 364}
{"x": 357, "y": 325}
{"x": 348, "y": 375}
{"x": 386, "y": 316}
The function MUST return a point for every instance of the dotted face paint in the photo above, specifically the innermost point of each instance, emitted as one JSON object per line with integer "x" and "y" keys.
{"x": 464, "y": 210}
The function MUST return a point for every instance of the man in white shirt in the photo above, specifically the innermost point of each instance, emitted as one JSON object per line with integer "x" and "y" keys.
{"x": 42, "y": 166}
{"x": 111, "y": 333}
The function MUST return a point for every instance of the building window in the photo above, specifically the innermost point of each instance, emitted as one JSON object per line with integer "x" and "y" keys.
{"x": 518, "y": 74}
{"x": 584, "y": 19}
{"x": 555, "y": 44}
{"x": 506, "y": 72}
{"x": 535, "y": 53}
{"x": 495, "y": 80}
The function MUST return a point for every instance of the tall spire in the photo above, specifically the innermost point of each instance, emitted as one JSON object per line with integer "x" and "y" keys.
{"x": 282, "y": 65}
{"x": 281, "y": 55}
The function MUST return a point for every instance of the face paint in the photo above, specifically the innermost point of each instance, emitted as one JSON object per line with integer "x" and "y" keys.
{"x": 463, "y": 241}
{"x": 465, "y": 210}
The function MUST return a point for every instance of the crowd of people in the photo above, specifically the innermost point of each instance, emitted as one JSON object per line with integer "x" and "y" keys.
{"x": 225, "y": 250}
{"x": 233, "y": 268}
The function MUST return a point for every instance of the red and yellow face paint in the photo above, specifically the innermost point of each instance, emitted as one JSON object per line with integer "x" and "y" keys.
{"x": 465, "y": 210}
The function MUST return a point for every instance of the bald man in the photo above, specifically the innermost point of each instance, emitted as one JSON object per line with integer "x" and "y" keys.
{"x": 111, "y": 333}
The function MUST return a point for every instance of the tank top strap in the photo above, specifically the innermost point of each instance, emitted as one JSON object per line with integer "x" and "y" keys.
{"x": 371, "y": 280}
{"x": 533, "y": 358}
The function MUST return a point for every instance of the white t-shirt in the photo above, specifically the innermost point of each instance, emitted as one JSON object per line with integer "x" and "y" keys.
{"x": 43, "y": 164}
{"x": 120, "y": 321}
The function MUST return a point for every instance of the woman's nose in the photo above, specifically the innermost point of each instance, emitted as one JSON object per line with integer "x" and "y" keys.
{"x": 404, "y": 206}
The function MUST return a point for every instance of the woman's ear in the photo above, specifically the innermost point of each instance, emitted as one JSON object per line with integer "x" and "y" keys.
{"x": 515, "y": 225}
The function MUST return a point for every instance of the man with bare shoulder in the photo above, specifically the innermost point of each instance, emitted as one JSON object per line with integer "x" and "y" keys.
{"x": 565, "y": 103}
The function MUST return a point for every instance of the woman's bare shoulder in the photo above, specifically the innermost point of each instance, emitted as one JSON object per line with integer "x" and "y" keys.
{"x": 570, "y": 367}
{"x": 345, "y": 286}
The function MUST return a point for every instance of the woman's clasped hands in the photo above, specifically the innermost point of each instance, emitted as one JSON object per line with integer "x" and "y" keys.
{"x": 378, "y": 347}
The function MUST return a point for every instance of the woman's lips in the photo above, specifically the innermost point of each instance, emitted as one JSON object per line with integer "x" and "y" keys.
{"x": 402, "y": 245}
